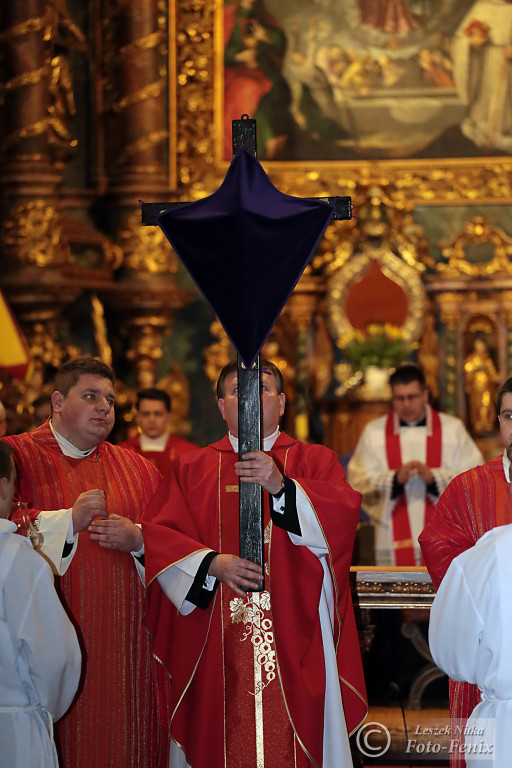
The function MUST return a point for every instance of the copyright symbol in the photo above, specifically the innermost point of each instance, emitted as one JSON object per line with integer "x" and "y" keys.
{"x": 375, "y": 732}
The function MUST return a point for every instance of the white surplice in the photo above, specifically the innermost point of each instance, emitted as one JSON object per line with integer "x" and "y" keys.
{"x": 40, "y": 659}
{"x": 470, "y": 638}
{"x": 368, "y": 472}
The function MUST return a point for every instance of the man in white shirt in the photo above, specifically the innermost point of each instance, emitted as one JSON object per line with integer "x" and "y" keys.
{"x": 471, "y": 532}
{"x": 470, "y": 638}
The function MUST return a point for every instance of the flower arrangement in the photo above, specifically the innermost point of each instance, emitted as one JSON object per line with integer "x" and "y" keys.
{"x": 379, "y": 345}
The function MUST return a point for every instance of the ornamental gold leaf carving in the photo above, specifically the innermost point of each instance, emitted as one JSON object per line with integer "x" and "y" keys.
{"x": 32, "y": 234}
{"x": 477, "y": 232}
{"x": 146, "y": 249}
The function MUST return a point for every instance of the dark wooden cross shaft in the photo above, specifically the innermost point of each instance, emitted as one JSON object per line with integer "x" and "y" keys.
{"x": 249, "y": 379}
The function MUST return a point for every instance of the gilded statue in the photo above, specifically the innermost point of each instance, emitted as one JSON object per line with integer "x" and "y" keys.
{"x": 428, "y": 356}
{"x": 481, "y": 379}
{"x": 62, "y": 36}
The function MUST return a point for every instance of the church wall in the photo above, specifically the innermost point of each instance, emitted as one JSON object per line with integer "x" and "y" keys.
{"x": 133, "y": 111}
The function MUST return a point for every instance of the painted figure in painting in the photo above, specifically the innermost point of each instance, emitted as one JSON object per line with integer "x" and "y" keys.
{"x": 482, "y": 55}
{"x": 368, "y": 78}
{"x": 388, "y": 15}
{"x": 255, "y": 46}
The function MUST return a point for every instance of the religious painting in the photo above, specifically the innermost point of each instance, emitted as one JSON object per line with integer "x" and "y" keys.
{"x": 352, "y": 80}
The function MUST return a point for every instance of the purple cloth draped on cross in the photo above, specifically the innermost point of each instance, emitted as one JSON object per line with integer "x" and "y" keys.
{"x": 246, "y": 246}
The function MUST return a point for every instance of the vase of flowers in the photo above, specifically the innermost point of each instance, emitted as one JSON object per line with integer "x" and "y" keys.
{"x": 374, "y": 352}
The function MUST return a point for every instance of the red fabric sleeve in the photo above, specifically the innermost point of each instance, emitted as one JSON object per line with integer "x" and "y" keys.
{"x": 447, "y": 534}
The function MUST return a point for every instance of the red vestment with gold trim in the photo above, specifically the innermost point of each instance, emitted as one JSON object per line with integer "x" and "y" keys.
{"x": 207, "y": 670}
{"x": 475, "y": 502}
{"x": 113, "y": 720}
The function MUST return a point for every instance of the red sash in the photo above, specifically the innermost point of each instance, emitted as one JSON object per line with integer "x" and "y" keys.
{"x": 402, "y": 537}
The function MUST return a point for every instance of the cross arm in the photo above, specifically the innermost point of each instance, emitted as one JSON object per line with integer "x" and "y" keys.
{"x": 342, "y": 209}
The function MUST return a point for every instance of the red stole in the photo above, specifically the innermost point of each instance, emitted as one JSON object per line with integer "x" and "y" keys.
{"x": 257, "y": 730}
{"x": 402, "y": 538}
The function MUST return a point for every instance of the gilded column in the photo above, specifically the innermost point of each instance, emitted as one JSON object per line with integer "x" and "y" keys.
{"x": 136, "y": 120}
{"x": 506, "y": 299}
{"x": 25, "y": 34}
{"x": 35, "y": 139}
{"x": 301, "y": 308}
{"x": 135, "y": 96}
{"x": 450, "y": 304}
{"x": 509, "y": 347}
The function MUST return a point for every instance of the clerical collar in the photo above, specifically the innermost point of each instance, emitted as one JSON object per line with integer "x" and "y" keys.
{"x": 67, "y": 448}
{"x": 506, "y": 465}
{"x": 421, "y": 423}
{"x": 268, "y": 442}
{"x": 154, "y": 443}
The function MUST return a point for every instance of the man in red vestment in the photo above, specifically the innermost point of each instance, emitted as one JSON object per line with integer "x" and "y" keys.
{"x": 255, "y": 678}
{"x": 474, "y": 502}
{"x": 68, "y": 475}
{"x": 155, "y": 441}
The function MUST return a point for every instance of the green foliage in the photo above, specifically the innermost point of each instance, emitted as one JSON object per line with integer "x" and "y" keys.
{"x": 380, "y": 345}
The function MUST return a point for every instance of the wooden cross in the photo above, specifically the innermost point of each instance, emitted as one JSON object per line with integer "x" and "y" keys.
{"x": 249, "y": 377}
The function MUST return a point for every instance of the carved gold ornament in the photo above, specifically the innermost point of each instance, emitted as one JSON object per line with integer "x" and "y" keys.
{"x": 478, "y": 231}
{"x": 218, "y": 354}
{"x": 146, "y": 249}
{"x": 392, "y": 267}
{"x": 32, "y": 234}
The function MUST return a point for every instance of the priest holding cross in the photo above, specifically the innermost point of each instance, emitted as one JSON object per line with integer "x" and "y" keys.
{"x": 245, "y": 678}
{"x": 248, "y": 541}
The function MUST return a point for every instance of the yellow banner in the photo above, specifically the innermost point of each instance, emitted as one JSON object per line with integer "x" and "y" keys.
{"x": 14, "y": 355}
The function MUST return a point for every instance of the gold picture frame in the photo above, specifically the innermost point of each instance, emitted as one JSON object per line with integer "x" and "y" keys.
{"x": 196, "y": 50}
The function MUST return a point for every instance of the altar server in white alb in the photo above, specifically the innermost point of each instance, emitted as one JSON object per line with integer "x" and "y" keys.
{"x": 40, "y": 658}
{"x": 403, "y": 462}
{"x": 470, "y": 638}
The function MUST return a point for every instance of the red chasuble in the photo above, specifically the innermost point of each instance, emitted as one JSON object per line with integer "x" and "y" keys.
{"x": 402, "y": 537}
{"x": 213, "y": 663}
{"x": 113, "y": 720}
{"x": 175, "y": 446}
{"x": 475, "y": 502}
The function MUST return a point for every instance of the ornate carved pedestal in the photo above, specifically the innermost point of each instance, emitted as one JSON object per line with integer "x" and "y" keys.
{"x": 347, "y": 418}
{"x": 402, "y": 736}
